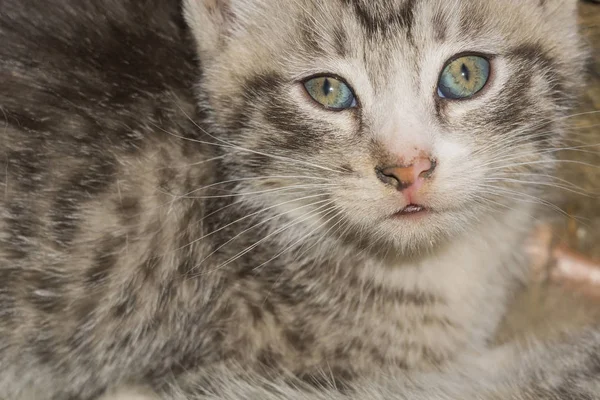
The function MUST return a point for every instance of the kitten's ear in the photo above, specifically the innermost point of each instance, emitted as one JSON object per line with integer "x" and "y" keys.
{"x": 210, "y": 21}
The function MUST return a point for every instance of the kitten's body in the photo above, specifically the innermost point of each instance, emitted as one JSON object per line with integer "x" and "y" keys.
{"x": 122, "y": 247}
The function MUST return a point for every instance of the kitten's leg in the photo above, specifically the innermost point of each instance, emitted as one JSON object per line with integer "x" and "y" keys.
{"x": 567, "y": 370}
{"x": 545, "y": 372}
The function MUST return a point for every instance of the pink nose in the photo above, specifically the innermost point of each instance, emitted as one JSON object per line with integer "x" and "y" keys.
{"x": 403, "y": 177}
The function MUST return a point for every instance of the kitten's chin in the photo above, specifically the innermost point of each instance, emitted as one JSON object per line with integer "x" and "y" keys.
{"x": 421, "y": 234}
{"x": 415, "y": 232}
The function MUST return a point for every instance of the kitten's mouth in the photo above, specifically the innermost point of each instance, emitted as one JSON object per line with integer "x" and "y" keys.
{"x": 411, "y": 209}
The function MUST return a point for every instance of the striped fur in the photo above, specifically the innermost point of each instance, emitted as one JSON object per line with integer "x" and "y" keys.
{"x": 178, "y": 215}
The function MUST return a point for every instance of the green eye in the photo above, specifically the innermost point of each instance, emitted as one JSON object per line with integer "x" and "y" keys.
{"x": 330, "y": 92}
{"x": 463, "y": 77}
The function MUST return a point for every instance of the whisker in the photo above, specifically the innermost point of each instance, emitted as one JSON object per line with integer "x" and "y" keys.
{"x": 550, "y": 177}
{"x": 315, "y": 243}
{"x": 526, "y": 198}
{"x": 542, "y": 162}
{"x": 510, "y": 150}
{"x": 529, "y": 153}
{"x": 517, "y": 140}
{"x": 255, "y": 214}
{"x": 274, "y": 190}
{"x": 241, "y": 180}
{"x": 232, "y": 145}
{"x": 563, "y": 187}
{"x": 253, "y": 246}
{"x": 293, "y": 245}
{"x": 342, "y": 223}
{"x": 484, "y": 202}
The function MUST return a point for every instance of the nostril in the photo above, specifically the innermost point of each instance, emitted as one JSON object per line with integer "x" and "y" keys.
{"x": 388, "y": 177}
{"x": 431, "y": 166}
{"x": 398, "y": 177}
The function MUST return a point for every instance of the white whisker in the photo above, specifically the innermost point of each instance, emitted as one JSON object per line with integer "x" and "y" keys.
{"x": 266, "y": 191}
{"x": 553, "y": 185}
{"x": 294, "y": 244}
{"x": 232, "y": 145}
{"x": 255, "y": 214}
{"x": 294, "y": 222}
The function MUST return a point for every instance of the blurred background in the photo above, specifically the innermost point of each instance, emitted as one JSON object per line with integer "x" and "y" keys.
{"x": 582, "y": 230}
{"x": 564, "y": 293}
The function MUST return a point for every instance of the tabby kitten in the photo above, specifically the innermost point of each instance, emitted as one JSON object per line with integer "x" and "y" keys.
{"x": 260, "y": 199}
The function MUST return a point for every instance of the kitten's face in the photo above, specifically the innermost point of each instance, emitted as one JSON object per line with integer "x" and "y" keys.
{"x": 389, "y": 139}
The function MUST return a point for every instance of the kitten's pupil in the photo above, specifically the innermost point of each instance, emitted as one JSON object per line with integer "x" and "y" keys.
{"x": 464, "y": 70}
{"x": 326, "y": 87}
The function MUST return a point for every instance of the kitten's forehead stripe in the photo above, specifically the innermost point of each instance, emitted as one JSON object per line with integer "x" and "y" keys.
{"x": 472, "y": 21}
{"x": 384, "y": 18}
{"x": 310, "y": 36}
{"x": 440, "y": 28}
{"x": 341, "y": 43}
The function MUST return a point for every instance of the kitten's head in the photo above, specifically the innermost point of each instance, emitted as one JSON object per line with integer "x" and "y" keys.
{"x": 403, "y": 121}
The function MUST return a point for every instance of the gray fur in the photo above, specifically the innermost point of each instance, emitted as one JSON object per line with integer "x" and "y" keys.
{"x": 177, "y": 215}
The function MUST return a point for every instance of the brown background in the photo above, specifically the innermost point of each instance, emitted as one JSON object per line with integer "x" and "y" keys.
{"x": 582, "y": 230}
{"x": 550, "y": 307}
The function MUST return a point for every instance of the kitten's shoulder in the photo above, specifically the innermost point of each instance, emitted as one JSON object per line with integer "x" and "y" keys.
{"x": 90, "y": 91}
{"x": 90, "y": 54}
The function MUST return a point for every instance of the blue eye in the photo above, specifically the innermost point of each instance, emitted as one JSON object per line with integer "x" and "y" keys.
{"x": 464, "y": 77}
{"x": 330, "y": 92}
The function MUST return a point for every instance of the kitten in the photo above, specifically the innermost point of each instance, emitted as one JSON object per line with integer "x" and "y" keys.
{"x": 260, "y": 199}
